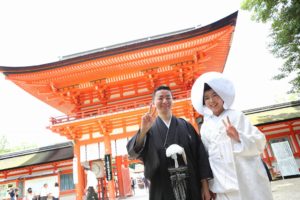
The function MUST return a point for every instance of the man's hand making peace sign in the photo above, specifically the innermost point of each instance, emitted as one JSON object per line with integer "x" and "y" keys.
{"x": 147, "y": 121}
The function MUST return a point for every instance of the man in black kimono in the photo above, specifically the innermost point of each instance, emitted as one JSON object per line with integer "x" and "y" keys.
{"x": 150, "y": 143}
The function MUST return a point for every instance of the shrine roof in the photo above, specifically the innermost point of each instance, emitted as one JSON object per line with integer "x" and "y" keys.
{"x": 123, "y": 47}
{"x": 274, "y": 113}
{"x": 127, "y": 72}
{"x": 47, "y": 154}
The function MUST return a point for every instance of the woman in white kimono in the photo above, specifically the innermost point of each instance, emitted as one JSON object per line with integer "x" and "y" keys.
{"x": 233, "y": 144}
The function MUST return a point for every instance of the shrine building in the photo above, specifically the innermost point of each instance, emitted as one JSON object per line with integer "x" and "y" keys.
{"x": 54, "y": 163}
{"x": 104, "y": 92}
{"x": 281, "y": 125}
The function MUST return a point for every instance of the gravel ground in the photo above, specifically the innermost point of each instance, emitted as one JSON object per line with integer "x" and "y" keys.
{"x": 286, "y": 189}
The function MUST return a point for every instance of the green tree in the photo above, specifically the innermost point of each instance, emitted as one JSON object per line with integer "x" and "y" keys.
{"x": 3, "y": 144}
{"x": 284, "y": 16}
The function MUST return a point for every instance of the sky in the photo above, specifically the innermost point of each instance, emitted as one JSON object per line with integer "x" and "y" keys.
{"x": 35, "y": 32}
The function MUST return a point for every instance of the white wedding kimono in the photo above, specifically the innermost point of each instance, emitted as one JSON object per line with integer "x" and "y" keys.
{"x": 238, "y": 171}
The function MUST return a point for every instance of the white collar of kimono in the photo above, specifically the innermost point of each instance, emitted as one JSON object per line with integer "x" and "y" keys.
{"x": 219, "y": 83}
{"x": 167, "y": 124}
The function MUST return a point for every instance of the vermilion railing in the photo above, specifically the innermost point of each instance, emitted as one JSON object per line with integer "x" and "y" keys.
{"x": 113, "y": 108}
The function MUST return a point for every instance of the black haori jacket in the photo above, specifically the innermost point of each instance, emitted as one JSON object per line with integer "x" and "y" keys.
{"x": 153, "y": 155}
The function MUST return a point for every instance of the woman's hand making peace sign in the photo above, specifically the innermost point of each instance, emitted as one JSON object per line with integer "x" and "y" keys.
{"x": 231, "y": 130}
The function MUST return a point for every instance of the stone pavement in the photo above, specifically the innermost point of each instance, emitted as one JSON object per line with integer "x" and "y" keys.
{"x": 140, "y": 194}
{"x": 286, "y": 189}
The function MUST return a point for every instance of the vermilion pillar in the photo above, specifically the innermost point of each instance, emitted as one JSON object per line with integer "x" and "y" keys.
{"x": 110, "y": 183}
{"x": 295, "y": 141}
{"x": 80, "y": 175}
{"x": 119, "y": 174}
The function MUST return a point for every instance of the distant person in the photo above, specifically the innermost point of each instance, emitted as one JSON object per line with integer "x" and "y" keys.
{"x": 44, "y": 192}
{"x": 133, "y": 186}
{"x": 55, "y": 192}
{"x": 13, "y": 193}
{"x": 91, "y": 185}
{"x": 234, "y": 145}
{"x": 146, "y": 183}
{"x": 29, "y": 195}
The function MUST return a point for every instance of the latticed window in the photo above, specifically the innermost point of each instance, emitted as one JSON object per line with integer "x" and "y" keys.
{"x": 66, "y": 182}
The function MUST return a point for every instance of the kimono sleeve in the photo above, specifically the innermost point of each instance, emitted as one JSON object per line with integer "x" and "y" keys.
{"x": 135, "y": 152}
{"x": 252, "y": 140}
{"x": 204, "y": 169}
{"x": 146, "y": 153}
{"x": 203, "y": 136}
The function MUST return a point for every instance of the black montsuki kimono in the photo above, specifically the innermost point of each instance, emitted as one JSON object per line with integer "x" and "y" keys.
{"x": 153, "y": 155}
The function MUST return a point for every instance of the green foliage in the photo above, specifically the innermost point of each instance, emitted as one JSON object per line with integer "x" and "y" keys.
{"x": 22, "y": 147}
{"x": 284, "y": 15}
{"x": 5, "y": 146}
{"x": 132, "y": 165}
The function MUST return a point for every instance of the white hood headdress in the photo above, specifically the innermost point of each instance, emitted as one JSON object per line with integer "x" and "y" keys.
{"x": 219, "y": 83}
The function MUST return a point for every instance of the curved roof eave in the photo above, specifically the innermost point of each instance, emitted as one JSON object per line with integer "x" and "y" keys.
{"x": 126, "y": 47}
